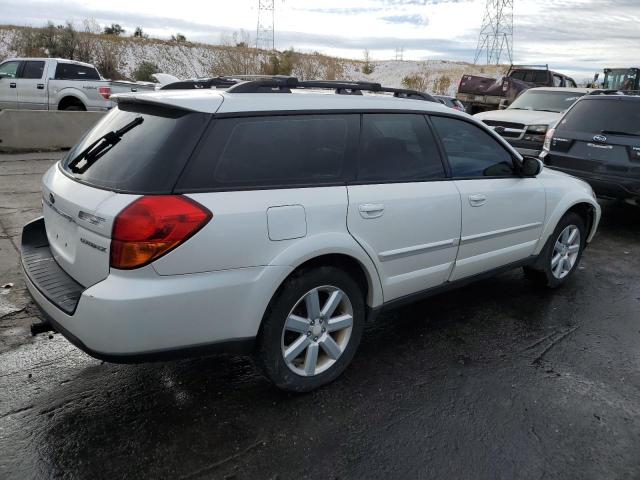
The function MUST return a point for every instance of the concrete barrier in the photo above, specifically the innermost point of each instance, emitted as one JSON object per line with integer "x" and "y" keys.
{"x": 24, "y": 130}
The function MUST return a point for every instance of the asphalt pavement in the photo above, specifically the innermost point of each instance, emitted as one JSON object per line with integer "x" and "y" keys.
{"x": 498, "y": 380}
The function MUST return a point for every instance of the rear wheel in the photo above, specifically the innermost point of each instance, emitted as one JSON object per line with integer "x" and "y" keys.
{"x": 561, "y": 255}
{"x": 312, "y": 329}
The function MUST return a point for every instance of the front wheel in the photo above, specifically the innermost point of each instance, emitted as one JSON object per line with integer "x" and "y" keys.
{"x": 312, "y": 329}
{"x": 561, "y": 255}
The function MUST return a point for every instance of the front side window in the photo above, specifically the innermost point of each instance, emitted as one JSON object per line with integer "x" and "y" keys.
{"x": 32, "y": 70}
{"x": 273, "y": 151}
{"x": 398, "y": 147}
{"x": 471, "y": 151}
{"x": 9, "y": 69}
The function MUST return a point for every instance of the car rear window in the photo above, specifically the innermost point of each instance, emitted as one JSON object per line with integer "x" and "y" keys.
{"x": 70, "y": 71}
{"x": 149, "y": 157}
{"x": 595, "y": 115}
{"x": 273, "y": 152}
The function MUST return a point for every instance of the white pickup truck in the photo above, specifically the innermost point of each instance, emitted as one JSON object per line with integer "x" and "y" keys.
{"x": 57, "y": 84}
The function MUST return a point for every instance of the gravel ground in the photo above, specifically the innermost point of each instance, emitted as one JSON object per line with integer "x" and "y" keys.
{"x": 494, "y": 381}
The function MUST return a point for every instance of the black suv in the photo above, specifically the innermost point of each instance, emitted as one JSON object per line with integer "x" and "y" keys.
{"x": 598, "y": 140}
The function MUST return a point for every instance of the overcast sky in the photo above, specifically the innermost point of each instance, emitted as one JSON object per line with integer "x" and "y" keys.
{"x": 577, "y": 36}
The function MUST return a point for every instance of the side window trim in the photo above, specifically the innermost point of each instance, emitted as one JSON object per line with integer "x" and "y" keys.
{"x": 482, "y": 127}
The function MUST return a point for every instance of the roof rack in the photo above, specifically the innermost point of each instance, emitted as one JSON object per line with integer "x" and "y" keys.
{"x": 196, "y": 83}
{"x": 284, "y": 84}
{"x": 532, "y": 67}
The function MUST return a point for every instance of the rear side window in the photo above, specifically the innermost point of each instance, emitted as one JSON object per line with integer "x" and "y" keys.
{"x": 471, "y": 151}
{"x": 608, "y": 114}
{"x": 32, "y": 70}
{"x": 274, "y": 151}
{"x": 70, "y": 71}
{"x": 149, "y": 157}
{"x": 398, "y": 147}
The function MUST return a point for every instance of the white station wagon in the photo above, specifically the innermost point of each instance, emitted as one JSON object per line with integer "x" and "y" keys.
{"x": 278, "y": 216}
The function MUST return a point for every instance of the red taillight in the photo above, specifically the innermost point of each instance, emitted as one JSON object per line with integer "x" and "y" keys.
{"x": 105, "y": 92}
{"x": 152, "y": 226}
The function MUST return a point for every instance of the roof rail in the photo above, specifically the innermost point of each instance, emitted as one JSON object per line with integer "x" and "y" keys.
{"x": 195, "y": 83}
{"x": 284, "y": 84}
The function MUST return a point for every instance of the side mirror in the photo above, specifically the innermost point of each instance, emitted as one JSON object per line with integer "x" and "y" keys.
{"x": 531, "y": 166}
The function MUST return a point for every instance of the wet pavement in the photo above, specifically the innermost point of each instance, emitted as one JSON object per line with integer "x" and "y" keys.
{"x": 498, "y": 380}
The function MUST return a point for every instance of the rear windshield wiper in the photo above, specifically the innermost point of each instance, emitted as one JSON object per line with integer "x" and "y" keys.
{"x": 615, "y": 132}
{"x": 97, "y": 149}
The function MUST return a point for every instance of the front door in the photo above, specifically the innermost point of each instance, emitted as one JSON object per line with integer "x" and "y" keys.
{"x": 8, "y": 90}
{"x": 502, "y": 213}
{"x": 402, "y": 210}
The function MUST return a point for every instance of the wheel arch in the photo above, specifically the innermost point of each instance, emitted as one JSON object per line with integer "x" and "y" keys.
{"x": 69, "y": 98}
{"x": 587, "y": 209}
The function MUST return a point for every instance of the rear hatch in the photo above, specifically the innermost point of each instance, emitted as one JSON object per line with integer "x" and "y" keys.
{"x": 599, "y": 136}
{"x": 136, "y": 149}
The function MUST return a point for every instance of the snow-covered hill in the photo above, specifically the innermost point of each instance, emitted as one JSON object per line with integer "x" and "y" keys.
{"x": 188, "y": 60}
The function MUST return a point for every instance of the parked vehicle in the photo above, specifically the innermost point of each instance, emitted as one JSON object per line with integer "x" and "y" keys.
{"x": 526, "y": 121}
{"x": 485, "y": 93}
{"x": 57, "y": 84}
{"x": 598, "y": 140}
{"x": 622, "y": 79}
{"x": 450, "y": 102}
{"x": 276, "y": 223}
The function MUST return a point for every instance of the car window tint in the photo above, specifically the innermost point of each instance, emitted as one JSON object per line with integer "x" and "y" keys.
{"x": 70, "y": 71}
{"x": 9, "y": 69}
{"x": 471, "y": 151}
{"x": 398, "y": 147}
{"x": 557, "y": 81}
{"x": 273, "y": 151}
{"x": 593, "y": 115}
{"x": 32, "y": 70}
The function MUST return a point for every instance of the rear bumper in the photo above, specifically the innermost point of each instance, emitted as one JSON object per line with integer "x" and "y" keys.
{"x": 605, "y": 185}
{"x": 138, "y": 315}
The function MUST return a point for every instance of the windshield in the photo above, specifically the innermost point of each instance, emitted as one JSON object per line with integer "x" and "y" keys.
{"x": 604, "y": 115}
{"x": 622, "y": 79}
{"x": 136, "y": 148}
{"x": 545, "y": 100}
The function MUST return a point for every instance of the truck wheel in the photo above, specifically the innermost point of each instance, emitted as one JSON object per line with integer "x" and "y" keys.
{"x": 72, "y": 105}
{"x": 311, "y": 329}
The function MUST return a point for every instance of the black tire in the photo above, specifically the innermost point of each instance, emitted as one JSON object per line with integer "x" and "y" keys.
{"x": 541, "y": 273}
{"x": 269, "y": 353}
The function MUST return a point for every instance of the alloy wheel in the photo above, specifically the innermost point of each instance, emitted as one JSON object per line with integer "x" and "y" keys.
{"x": 317, "y": 330}
{"x": 565, "y": 252}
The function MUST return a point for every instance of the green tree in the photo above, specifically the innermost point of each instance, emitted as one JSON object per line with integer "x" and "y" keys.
{"x": 368, "y": 67}
{"x": 139, "y": 33}
{"x": 114, "y": 29}
{"x": 178, "y": 37}
{"x": 144, "y": 71}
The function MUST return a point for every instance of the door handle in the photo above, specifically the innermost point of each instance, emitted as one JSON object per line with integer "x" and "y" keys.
{"x": 40, "y": 86}
{"x": 371, "y": 210}
{"x": 12, "y": 85}
{"x": 477, "y": 200}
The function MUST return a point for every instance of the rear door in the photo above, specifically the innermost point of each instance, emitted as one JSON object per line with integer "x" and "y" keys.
{"x": 32, "y": 94}
{"x": 80, "y": 206}
{"x": 8, "y": 85}
{"x": 502, "y": 213}
{"x": 402, "y": 209}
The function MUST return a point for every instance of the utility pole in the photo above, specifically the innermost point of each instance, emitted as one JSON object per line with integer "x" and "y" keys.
{"x": 265, "y": 31}
{"x": 496, "y": 33}
{"x": 399, "y": 53}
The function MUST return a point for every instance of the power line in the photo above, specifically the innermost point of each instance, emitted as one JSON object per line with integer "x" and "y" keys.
{"x": 496, "y": 33}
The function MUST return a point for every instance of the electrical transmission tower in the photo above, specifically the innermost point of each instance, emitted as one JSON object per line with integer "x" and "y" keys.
{"x": 496, "y": 34}
{"x": 265, "y": 37}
